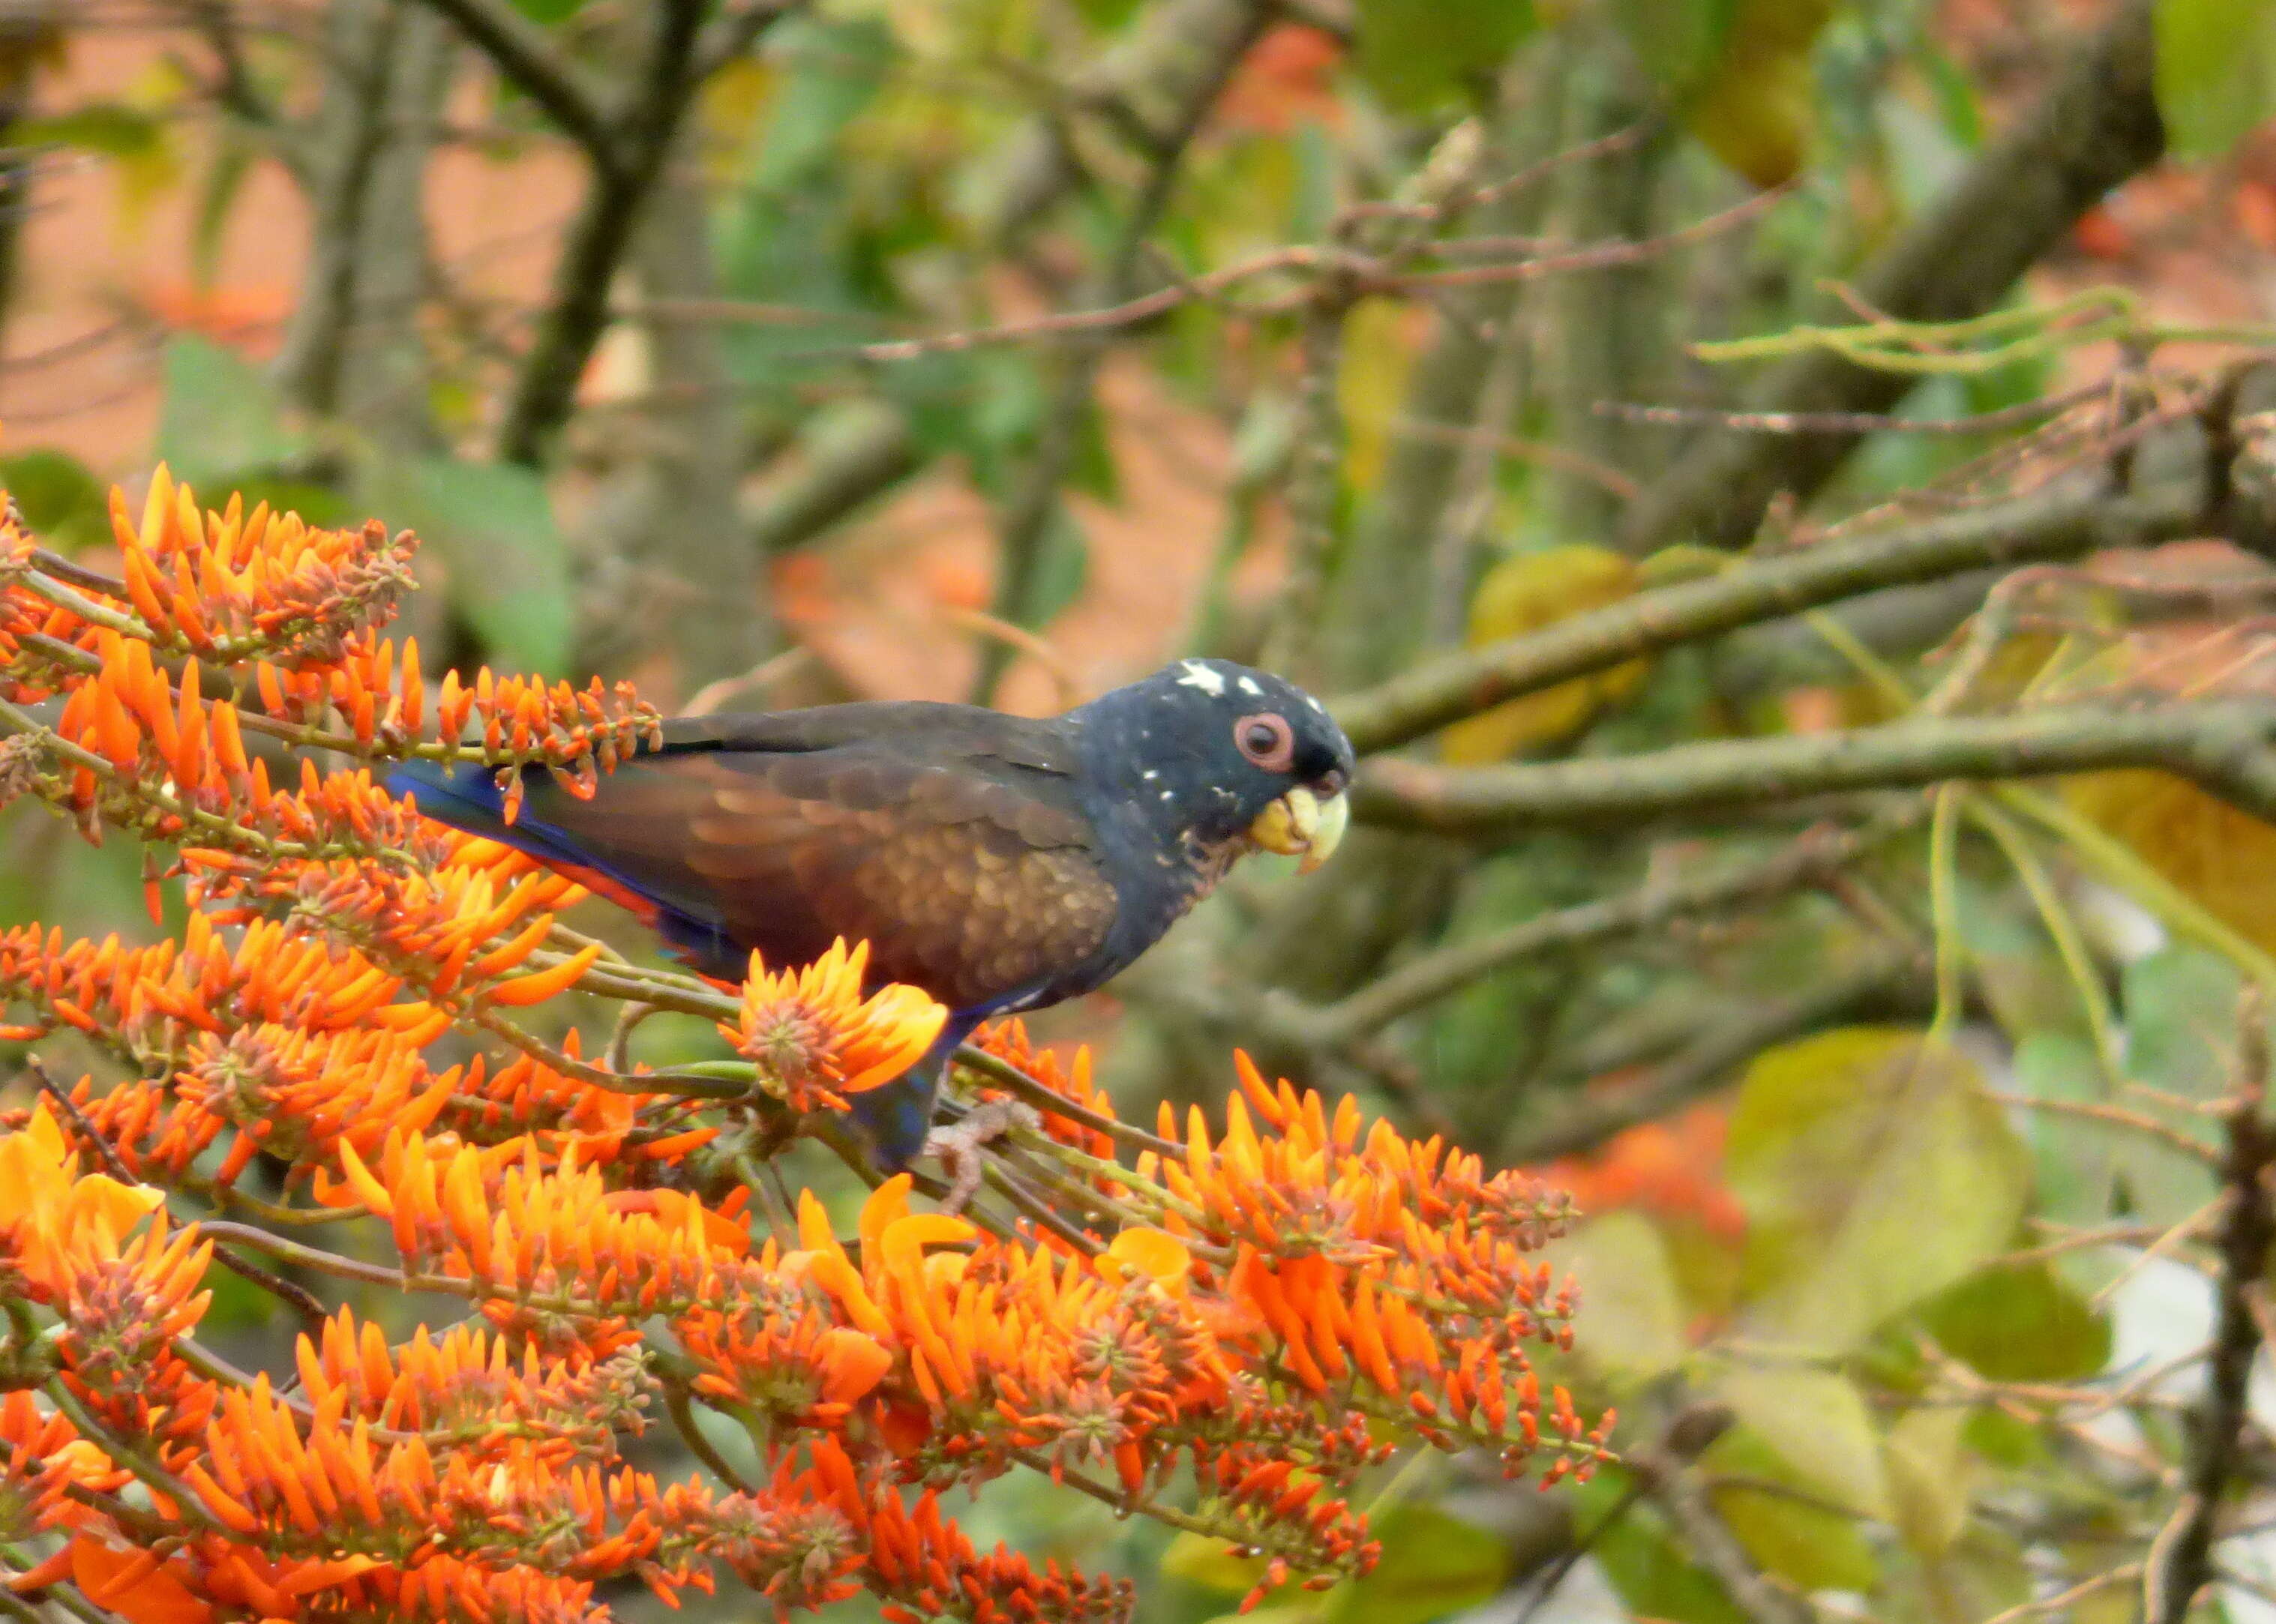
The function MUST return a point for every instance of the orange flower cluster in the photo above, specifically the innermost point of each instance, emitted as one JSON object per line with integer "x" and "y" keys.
{"x": 300, "y": 1042}
{"x": 465, "y": 1390}
{"x": 458, "y": 930}
{"x": 361, "y": 1036}
{"x": 293, "y": 615}
{"x": 816, "y": 1039}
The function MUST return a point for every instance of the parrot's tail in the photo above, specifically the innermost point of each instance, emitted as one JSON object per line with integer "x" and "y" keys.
{"x": 467, "y": 798}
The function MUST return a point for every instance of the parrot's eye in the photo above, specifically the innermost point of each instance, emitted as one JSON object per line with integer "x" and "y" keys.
{"x": 1267, "y": 740}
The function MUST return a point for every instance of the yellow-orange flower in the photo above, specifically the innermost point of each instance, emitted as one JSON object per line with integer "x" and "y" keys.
{"x": 816, "y": 1039}
{"x": 47, "y": 1209}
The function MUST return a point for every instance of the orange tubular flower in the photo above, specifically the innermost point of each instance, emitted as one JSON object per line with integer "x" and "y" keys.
{"x": 555, "y": 1255}
{"x": 814, "y": 1039}
{"x": 463, "y": 1389}
{"x": 42, "y": 1459}
{"x": 1007, "y": 1041}
{"x": 231, "y": 585}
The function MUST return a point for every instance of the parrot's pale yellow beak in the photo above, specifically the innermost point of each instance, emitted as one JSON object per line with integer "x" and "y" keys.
{"x": 1300, "y": 824}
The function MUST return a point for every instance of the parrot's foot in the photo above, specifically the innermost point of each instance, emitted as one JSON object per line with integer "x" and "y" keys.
{"x": 958, "y": 1146}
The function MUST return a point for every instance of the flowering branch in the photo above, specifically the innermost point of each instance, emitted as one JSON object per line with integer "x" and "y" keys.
{"x": 1218, "y": 1324}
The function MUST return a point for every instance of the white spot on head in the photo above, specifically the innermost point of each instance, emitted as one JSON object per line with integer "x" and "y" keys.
{"x": 1249, "y": 686}
{"x": 1200, "y": 674}
{"x": 1149, "y": 774}
{"x": 1169, "y": 795}
{"x": 1315, "y": 704}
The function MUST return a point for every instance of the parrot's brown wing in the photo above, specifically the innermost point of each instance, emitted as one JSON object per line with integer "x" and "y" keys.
{"x": 947, "y": 838}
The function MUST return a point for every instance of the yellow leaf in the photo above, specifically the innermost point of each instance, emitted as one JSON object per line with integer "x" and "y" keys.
{"x": 1378, "y": 350}
{"x": 1523, "y": 594}
{"x": 2224, "y": 859}
{"x": 733, "y": 100}
{"x": 1756, "y": 114}
{"x": 1928, "y": 1477}
{"x": 1875, "y": 1172}
{"x": 1634, "y": 1311}
{"x": 1752, "y": 101}
{"x": 1817, "y": 1422}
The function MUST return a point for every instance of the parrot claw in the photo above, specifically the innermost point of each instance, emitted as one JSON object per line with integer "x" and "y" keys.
{"x": 958, "y": 1146}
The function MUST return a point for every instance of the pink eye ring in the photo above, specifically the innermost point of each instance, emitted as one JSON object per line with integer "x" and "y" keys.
{"x": 1266, "y": 740}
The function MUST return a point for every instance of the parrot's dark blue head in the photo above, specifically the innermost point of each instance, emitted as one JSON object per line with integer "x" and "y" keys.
{"x": 1212, "y": 757}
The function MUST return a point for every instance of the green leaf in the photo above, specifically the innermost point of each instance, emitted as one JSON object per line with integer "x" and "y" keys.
{"x": 2019, "y": 1323}
{"x": 549, "y": 11}
{"x": 2180, "y": 1009}
{"x": 1062, "y": 565}
{"x": 111, "y": 128}
{"x": 1107, "y": 15}
{"x": 2004, "y": 1439}
{"x": 234, "y": 160}
{"x": 1740, "y": 71}
{"x": 2076, "y": 1159}
{"x": 1212, "y": 1564}
{"x": 1094, "y": 472}
{"x": 1875, "y": 1171}
{"x": 134, "y": 139}
{"x": 48, "y": 873}
{"x": 220, "y": 416}
{"x": 1433, "y": 1567}
{"x": 1636, "y": 1314}
{"x": 1818, "y": 1423}
{"x": 492, "y": 527}
{"x": 2181, "y": 1021}
{"x": 1929, "y": 1479}
{"x": 2216, "y": 72}
{"x": 1778, "y": 1515}
{"x": 1677, "y": 42}
{"x": 61, "y": 501}
{"x": 836, "y": 69}
{"x": 1649, "y": 1568}
{"x": 1419, "y": 54}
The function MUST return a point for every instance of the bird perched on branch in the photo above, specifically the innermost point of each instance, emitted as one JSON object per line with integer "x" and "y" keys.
{"x": 999, "y": 862}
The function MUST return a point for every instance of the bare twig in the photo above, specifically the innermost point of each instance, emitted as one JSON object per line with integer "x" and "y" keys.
{"x": 1562, "y": 459}
{"x": 2224, "y": 746}
{"x": 2095, "y": 125}
{"x": 1591, "y": 256}
{"x": 1590, "y": 1120}
{"x": 1463, "y": 199}
{"x": 523, "y": 53}
{"x": 627, "y": 153}
{"x": 2092, "y": 1584}
{"x": 1709, "y": 1539}
{"x": 2060, "y": 523}
{"x": 734, "y": 32}
{"x": 1440, "y": 973}
{"x": 2181, "y": 1559}
{"x": 1856, "y": 422}
{"x": 1315, "y": 471}
{"x": 353, "y": 129}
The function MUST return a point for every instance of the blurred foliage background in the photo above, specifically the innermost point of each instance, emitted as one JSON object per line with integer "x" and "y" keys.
{"x": 1718, "y": 455}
